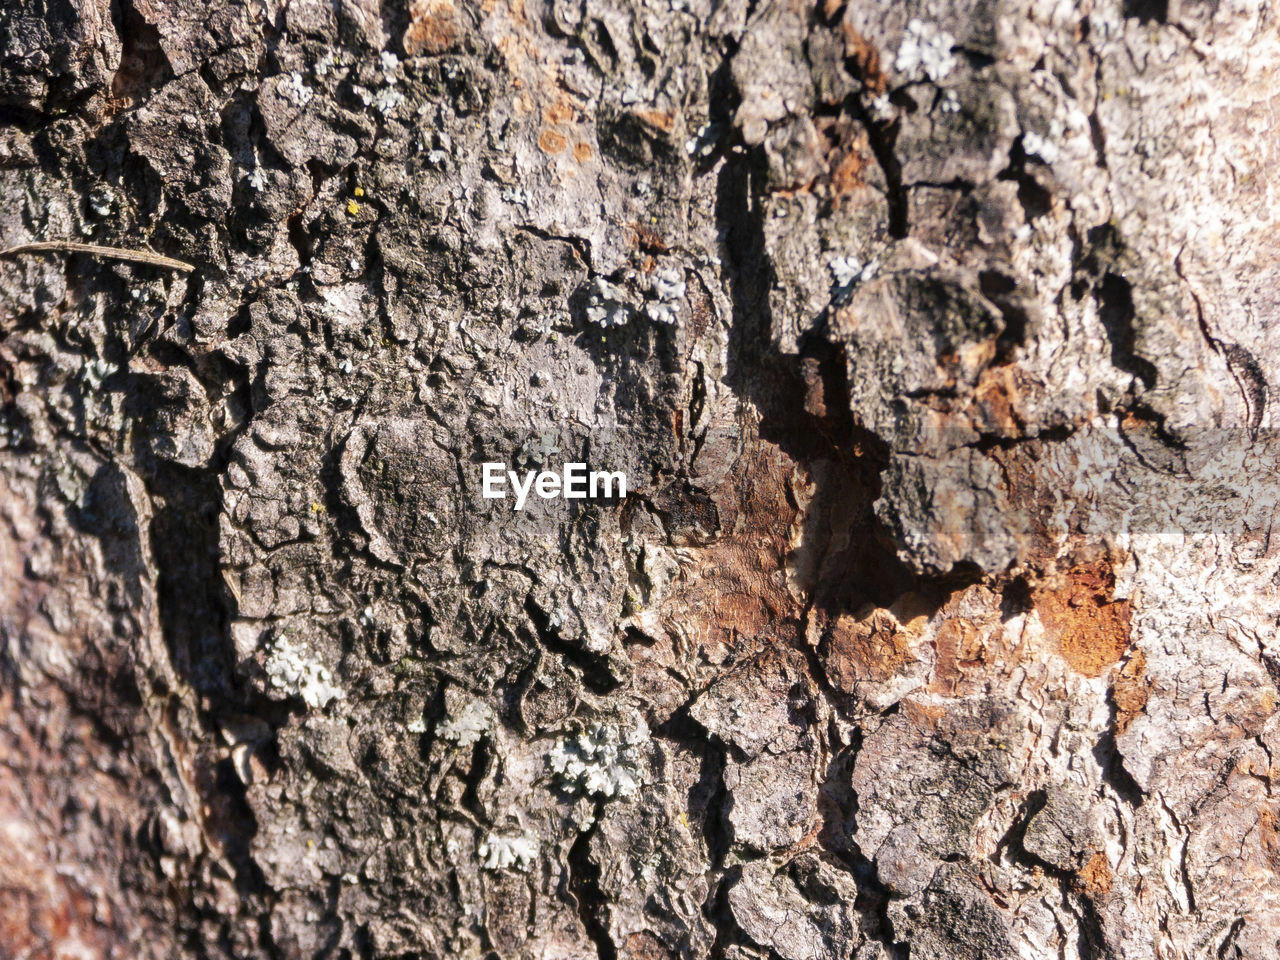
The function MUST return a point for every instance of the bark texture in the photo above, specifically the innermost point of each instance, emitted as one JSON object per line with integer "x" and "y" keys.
{"x": 935, "y": 339}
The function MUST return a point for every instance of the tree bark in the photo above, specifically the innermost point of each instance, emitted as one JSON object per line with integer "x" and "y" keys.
{"x": 938, "y": 619}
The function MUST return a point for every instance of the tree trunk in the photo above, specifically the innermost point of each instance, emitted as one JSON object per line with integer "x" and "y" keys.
{"x": 938, "y": 618}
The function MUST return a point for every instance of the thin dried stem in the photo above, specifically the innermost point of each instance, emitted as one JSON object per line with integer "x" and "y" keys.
{"x": 113, "y": 253}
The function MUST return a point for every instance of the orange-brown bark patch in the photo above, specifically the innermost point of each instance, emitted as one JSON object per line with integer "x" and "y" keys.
{"x": 997, "y": 401}
{"x": 1090, "y": 628}
{"x": 871, "y": 646}
{"x": 551, "y": 142}
{"x": 44, "y": 912}
{"x": 1269, "y": 835}
{"x": 923, "y": 716}
{"x": 737, "y": 585}
{"x": 866, "y": 58}
{"x": 960, "y": 647}
{"x": 664, "y": 121}
{"x": 848, "y": 174}
{"x": 848, "y": 156}
{"x": 433, "y": 27}
{"x": 582, "y": 151}
{"x": 561, "y": 111}
{"x": 648, "y": 239}
{"x": 815, "y": 401}
{"x": 1095, "y": 876}
{"x": 1130, "y": 690}
{"x": 841, "y": 153}
{"x": 643, "y": 945}
{"x": 967, "y": 635}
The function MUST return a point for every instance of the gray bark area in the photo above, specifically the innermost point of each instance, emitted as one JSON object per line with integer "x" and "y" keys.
{"x": 935, "y": 339}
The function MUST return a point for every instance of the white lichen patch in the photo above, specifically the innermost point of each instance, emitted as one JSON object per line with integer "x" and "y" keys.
{"x": 102, "y": 201}
{"x": 298, "y": 91}
{"x": 633, "y": 94}
{"x": 844, "y": 270}
{"x": 386, "y": 100}
{"x": 606, "y": 304}
{"x": 536, "y": 450}
{"x": 882, "y": 108}
{"x": 472, "y": 722}
{"x": 925, "y": 52}
{"x": 390, "y": 66}
{"x": 702, "y": 143}
{"x": 668, "y": 287}
{"x": 504, "y": 851}
{"x": 601, "y": 761}
{"x": 516, "y": 195}
{"x": 95, "y": 371}
{"x": 847, "y": 271}
{"x": 297, "y": 671}
{"x": 329, "y": 61}
{"x": 662, "y": 312}
{"x": 1044, "y": 146}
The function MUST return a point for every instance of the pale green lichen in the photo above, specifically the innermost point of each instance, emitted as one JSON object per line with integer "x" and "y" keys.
{"x": 847, "y": 272}
{"x": 600, "y": 760}
{"x": 669, "y": 288}
{"x": 1043, "y": 147}
{"x": 606, "y": 304}
{"x": 473, "y": 722}
{"x": 926, "y": 51}
{"x": 503, "y": 851}
{"x": 297, "y": 671}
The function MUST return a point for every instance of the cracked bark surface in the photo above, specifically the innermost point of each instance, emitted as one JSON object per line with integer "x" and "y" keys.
{"x": 935, "y": 340}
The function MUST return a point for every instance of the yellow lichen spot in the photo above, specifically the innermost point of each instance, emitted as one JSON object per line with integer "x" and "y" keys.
{"x": 317, "y": 507}
{"x": 358, "y": 191}
{"x": 353, "y": 208}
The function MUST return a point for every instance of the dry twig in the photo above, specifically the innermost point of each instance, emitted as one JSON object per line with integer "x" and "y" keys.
{"x": 113, "y": 253}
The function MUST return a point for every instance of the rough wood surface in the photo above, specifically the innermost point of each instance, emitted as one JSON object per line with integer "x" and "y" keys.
{"x": 936, "y": 339}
